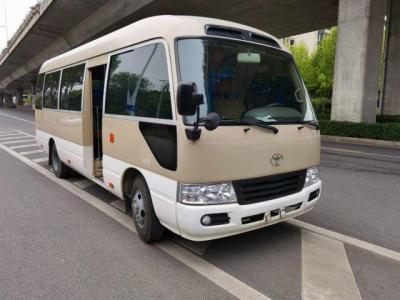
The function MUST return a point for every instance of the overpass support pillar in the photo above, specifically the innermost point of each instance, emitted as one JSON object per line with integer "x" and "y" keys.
{"x": 20, "y": 96}
{"x": 33, "y": 93}
{"x": 358, "y": 53}
{"x": 391, "y": 96}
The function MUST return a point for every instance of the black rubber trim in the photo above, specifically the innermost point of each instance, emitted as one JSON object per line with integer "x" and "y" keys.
{"x": 162, "y": 141}
{"x": 240, "y": 34}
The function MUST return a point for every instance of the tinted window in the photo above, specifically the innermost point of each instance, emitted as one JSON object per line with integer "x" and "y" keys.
{"x": 71, "y": 88}
{"x": 50, "y": 95}
{"x": 138, "y": 83}
{"x": 39, "y": 92}
{"x": 240, "y": 81}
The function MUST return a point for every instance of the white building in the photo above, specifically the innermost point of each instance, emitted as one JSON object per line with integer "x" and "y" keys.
{"x": 311, "y": 39}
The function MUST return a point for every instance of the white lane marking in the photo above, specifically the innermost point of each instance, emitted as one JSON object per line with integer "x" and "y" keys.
{"x": 9, "y": 134}
{"x": 83, "y": 183}
{"x": 360, "y": 152}
{"x": 31, "y": 152}
{"x": 4, "y": 132}
{"x": 18, "y": 142}
{"x": 20, "y": 119}
{"x": 326, "y": 271}
{"x": 40, "y": 160}
{"x": 346, "y": 239}
{"x": 20, "y": 136}
{"x": 224, "y": 280}
{"x": 120, "y": 204}
{"x": 23, "y": 146}
{"x": 23, "y": 132}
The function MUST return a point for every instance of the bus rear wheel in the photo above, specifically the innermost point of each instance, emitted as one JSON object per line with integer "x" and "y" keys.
{"x": 60, "y": 169}
{"x": 146, "y": 222}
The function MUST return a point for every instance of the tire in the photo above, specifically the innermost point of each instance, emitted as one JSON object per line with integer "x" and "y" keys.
{"x": 146, "y": 222}
{"x": 60, "y": 169}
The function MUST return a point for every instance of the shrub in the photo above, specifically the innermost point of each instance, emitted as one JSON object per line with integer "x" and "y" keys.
{"x": 388, "y": 119}
{"x": 378, "y": 131}
{"x": 324, "y": 117}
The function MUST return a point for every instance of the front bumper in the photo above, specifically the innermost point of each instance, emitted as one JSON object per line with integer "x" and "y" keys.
{"x": 188, "y": 216}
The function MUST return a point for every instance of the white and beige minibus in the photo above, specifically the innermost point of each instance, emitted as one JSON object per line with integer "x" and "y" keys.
{"x": 201, "y": 126}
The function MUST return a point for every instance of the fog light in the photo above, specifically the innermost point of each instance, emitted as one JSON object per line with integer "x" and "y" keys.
{"x": 313, "y": 195}
{"x": 215, "y": 219}
{"x": 206, "y": 220}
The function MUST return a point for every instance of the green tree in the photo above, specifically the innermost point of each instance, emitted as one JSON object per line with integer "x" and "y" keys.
{"x": 317, "y": 68}
{"x": 303, "y": 60}
{"x": 323, "y": 64}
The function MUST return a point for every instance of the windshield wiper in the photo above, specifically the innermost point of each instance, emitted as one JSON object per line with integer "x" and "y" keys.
{"x": 254, "y": 122}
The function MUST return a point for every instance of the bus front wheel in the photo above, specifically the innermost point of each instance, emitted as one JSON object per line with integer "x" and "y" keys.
{"x": 146, "y": 222}
{"x": 60, "y": 169}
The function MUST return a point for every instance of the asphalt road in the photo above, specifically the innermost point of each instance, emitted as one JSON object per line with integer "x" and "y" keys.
{"x": 53, "y": 244}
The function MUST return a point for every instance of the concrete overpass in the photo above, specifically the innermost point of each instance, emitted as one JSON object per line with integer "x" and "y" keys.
{"x": 56, "y": 26}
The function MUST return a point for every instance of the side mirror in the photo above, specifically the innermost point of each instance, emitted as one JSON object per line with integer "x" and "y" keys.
{"x": 211, "y": 122}
{"x": 187, "y": 99}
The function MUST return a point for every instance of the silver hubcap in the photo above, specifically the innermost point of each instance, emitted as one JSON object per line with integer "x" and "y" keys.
{"x": 138, "y": 208}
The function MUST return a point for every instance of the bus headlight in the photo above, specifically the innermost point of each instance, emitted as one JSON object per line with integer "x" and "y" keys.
{"x": 312, "y": 176}
{"x": 203, "y": 194}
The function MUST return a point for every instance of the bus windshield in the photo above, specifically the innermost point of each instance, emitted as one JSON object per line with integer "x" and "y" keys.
{"x": 241, "y": 80}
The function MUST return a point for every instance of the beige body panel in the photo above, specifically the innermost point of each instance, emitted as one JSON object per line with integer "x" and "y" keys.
{"x": 228, "y": 153}
{"x": 130, "y": 146}
{"x": 97, "y": 61}
{"x": 66, "y": 125}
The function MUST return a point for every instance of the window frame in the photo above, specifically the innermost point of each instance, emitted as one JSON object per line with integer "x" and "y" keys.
{"x": 59, "y": 88}
{"x": 170, "y": 80}
{"x": 83, "y": 87}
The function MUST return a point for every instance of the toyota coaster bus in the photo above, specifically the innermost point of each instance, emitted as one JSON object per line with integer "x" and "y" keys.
{"x": 201, "y": 126}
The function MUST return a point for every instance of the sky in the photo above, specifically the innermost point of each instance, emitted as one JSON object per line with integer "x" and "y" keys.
{"x": 16, "y": 10}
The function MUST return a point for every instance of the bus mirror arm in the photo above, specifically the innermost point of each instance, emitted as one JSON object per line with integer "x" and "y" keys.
{"x": 211, "y": 122}
{"x": 194, "y": 133}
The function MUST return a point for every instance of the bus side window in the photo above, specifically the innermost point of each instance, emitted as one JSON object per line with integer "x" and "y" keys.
{"x": 138, "y": 83}
{"x": 71, "y": 88}
{"x": 50, "y": 90}
{"x": 39, "y": 92}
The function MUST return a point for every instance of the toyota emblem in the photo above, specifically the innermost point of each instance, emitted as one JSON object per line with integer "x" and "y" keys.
{"x": 276, "y": 159}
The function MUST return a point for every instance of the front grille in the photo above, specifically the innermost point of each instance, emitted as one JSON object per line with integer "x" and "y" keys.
{"x": 260, "y": 189}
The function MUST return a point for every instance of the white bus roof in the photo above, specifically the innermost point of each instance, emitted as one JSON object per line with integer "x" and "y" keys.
{"x": 167, "y": 27}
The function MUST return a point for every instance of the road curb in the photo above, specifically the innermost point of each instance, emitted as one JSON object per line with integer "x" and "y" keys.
{"x": 368, "y": 142}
